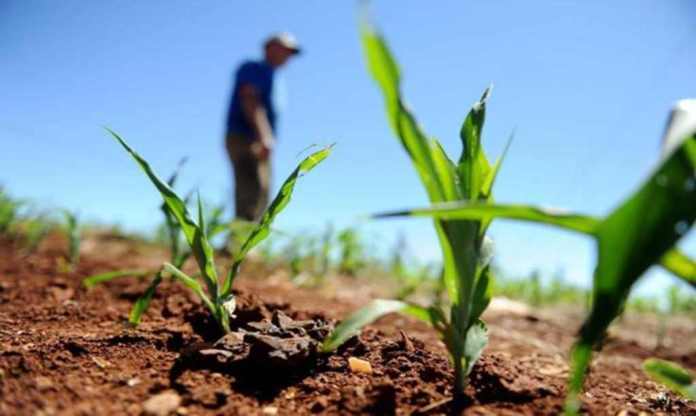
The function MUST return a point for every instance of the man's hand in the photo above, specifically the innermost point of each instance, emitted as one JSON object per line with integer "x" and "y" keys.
{"x": 261, "y": 148}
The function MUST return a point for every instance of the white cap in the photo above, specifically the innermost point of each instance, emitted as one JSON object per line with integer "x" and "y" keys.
{"x": 284, "y": 39}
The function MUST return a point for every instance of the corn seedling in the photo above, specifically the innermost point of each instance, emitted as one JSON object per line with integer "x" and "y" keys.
{"x": 351, "y": 252}
{"x": 9, "y": 211}
{"x": 465, "y": 247}
{"x": 217, "y": 297}
{"x": 323, "y": 261}
{"x": 676, "y": 378}
{"x": 72, "y": 230}
{"x": 34, "y": 231}
{"x": 641, "y": 232}
{"x": 18, "y": 220}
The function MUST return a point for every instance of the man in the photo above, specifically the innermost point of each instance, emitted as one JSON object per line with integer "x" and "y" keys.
{"x": 251, "y": 123}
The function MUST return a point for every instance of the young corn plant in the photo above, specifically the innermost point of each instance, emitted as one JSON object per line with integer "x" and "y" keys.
{"x": 670, "y": 374}
{"x": 465, "y": 247}
{"x": 35, "y": 229}
{"x": 640, "y": 232}
{"x": 72, "y": 229}
{"x": 9, "y": 211}
{"x": 351, "y": 252}
{"x": 216, "y": 296}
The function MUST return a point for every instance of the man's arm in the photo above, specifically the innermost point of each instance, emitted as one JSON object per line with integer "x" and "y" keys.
{"x": 256, "y": 116}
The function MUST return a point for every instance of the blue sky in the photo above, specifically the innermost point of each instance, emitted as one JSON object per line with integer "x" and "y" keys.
{"x": 586, "y": 86}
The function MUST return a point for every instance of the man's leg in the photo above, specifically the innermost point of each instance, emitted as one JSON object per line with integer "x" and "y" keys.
{"x": 263, "y": 170}
{"x": 247, "y": 184}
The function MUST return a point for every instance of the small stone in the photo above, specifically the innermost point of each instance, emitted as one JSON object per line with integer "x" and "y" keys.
{"x": 133, "y": 381}
{"x": 359, "y": 366}
{"x": 100, "y": 362}
{"x": 270, "y": 410}
{"x": 162, "y": 404}
{"x": 43, "y": 383}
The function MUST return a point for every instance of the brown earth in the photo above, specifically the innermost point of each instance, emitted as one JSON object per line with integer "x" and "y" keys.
{"x": 66, "y": 350}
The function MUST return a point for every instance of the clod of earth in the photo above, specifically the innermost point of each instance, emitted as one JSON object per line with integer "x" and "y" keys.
{"x": 281, "y": 344}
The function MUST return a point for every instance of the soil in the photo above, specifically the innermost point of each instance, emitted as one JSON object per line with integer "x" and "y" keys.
{"x": 66, "y": 350}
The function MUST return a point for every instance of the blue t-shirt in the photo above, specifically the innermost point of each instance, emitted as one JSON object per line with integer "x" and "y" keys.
{"x": 260, "y": 75}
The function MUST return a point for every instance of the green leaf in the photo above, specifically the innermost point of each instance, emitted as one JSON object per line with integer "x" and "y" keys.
{"x": 673, "y": 261}
{"x": 385, "y": 71}
{"x": 473, "y": 167}
{"x": 580, "y": 360}
{"x": 261, "y": 231}
{"x": 483, "y": 292}
{"x": 487, "y": 188}
{"x": 93, "y": 280}
{"x": 173, "y": 228}
{"x": 374, "y": 310}
{"x": 192, "y": 284}
{"x": 680, "y": 265}
{"x": 476, "y": 340}
{"x": 673, "y": 376}
{"x": 143, "y": 301}
{"x": 480, "y": 211}
{"x": 201, "y": 248}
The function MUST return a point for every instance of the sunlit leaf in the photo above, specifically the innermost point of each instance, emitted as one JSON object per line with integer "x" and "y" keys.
{"x": 191, "y": 283}
{"x": 143, "y": 302}
{"x": 93, "y": 280}
{"x": 472, "y": 211}
{"x": 670, "y": 374}
{"x": 680, "y": 265}
{"x": 261, "y": 231}
{"x": 374, "y": 310}
{"x": 476, "y": 340}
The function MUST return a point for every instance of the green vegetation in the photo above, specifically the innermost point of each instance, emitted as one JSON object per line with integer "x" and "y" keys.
{"x": 217, "y": 297}
{"x": 19, "y": 221}
{"x": 671, "y": 375}
{"x": 465, "y": 247}
{"x": 9, "y": 211}
{"x": 352, "y": 252}
{"x": 534, "y": 291}
{"x": 636, "y": 235}
{"x": 72, "y": 230}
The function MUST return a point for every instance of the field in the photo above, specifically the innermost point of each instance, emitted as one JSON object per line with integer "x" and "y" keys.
{"x": 65, "y": 349}
{"x": 214, "y": 314}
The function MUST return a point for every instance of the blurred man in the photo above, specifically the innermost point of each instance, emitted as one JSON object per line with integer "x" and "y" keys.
{"x": 251, "y": 123}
